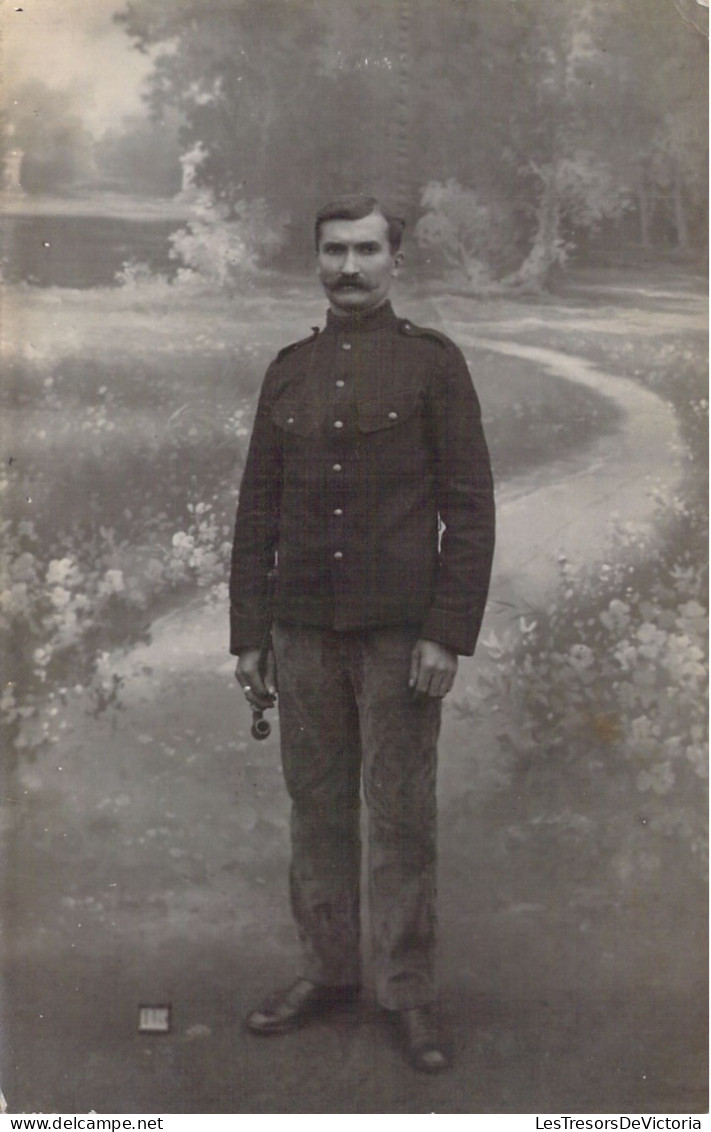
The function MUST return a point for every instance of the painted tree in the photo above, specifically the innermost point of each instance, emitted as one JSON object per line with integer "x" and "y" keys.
{"x": 654, "y": 116}
{"x": 281, "y": 103}
{"x": 549, "y": 109}
{"x": 469, "y": 237}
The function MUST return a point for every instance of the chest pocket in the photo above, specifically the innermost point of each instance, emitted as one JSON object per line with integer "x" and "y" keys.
{"x": 295, "y": 418}
{"x": 388, "y": 412}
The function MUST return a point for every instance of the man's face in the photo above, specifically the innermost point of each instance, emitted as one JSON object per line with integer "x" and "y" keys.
{"x": 355, "y": 263}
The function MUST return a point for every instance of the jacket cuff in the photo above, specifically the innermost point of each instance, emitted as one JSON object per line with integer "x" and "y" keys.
{"x": 455, "y": 631}
{"x": 247, "y": 632}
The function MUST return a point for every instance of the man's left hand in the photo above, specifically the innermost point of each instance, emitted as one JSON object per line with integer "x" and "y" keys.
{"x": 432, "y": 669}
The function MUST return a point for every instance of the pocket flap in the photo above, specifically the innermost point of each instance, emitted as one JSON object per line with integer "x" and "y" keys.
{"x": 293, "y": 417}
{"x": 388, "y": 411}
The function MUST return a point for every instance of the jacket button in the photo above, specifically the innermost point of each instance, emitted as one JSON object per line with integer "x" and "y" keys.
{"x": 338, "y": 467}
{"x": 338, "y": 424}
{"x": 338, "y": 511}
{"x": 340, "y": 384}
{"x": 346, "y": 346}
{"x": 392, "y": 416}
{"x": 338, "y": 555}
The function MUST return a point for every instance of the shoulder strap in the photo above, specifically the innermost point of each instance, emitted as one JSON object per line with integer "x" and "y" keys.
{"x": 413, "y": 331}
{"x": 315, "y": 331}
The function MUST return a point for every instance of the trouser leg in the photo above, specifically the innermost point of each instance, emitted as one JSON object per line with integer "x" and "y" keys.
{"x": 321, "y": 759}
{"x": 399, "y": 747}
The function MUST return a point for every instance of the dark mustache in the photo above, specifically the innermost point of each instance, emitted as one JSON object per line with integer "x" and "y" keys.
{"x": 344, "y": 283}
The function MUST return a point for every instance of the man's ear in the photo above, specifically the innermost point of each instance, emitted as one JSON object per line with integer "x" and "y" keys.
{"x": 398, "y": 260}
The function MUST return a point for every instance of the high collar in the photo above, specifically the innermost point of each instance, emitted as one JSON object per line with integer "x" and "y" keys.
{"x": 363, "y": 321}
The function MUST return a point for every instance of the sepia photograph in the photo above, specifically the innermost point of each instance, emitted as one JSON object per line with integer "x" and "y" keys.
{"x": 354, "y": 565}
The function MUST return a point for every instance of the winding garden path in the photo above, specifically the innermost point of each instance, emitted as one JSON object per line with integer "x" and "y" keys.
{"x": 567, "y": 508}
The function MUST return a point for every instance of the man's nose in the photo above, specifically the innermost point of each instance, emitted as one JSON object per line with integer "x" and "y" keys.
{"x": 350, "y": 263}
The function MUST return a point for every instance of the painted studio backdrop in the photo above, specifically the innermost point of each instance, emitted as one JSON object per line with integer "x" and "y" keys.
{"x": 161, "y": 164}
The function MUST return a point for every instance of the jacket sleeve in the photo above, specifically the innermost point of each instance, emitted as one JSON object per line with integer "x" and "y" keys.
{"x": 256, "y": 530}
{"x": 465, "y": 500}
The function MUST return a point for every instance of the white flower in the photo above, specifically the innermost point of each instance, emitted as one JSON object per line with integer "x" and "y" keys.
{"x": 659, "y": 779}
{"x": 16, "y": 600}
{"x": 60, "y": 597}
{"x": 112, "y": 582}
{"x": 692, "y": 619}
{"x": 625, "y": 654}
{"x": 183, "y": 541}
{"x": 616, "y": 616}
{"x": 643, "y": 730}
{"x": 684, "y": 660}
{"x": 698, "y": 756}
{"x": 651, "y": 640}
{"x": 580, "y": 656}
{"x": 59, "y": 571}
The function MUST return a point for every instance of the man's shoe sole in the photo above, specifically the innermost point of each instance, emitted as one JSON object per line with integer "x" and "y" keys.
{"x": 317, "y": 1003}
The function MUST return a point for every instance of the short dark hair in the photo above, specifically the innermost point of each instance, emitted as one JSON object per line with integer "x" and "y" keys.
{"x": 355, "y": 207}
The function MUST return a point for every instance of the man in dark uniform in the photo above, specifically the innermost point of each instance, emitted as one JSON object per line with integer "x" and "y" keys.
{"x": 367, "y": 493}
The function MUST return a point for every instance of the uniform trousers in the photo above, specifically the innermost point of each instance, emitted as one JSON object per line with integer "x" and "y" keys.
{"x": 346, "y": 711}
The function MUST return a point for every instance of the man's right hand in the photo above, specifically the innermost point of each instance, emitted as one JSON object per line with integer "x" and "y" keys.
{"x": 256, "y": 677}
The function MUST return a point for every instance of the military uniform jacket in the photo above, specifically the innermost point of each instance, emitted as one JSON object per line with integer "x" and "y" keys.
{"x": 368, "y": 485}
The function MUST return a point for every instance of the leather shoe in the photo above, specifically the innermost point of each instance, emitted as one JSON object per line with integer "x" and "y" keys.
{"x": 293, "y": 1006}
{"x": 420, "y": 1040}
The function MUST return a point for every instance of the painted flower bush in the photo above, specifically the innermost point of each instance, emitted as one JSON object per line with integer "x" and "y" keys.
{"x": 139, "y": 518}
{"x": 604, "y": 694}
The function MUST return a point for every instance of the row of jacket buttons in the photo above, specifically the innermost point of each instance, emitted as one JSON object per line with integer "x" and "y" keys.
{"x": 338, "y": 511}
